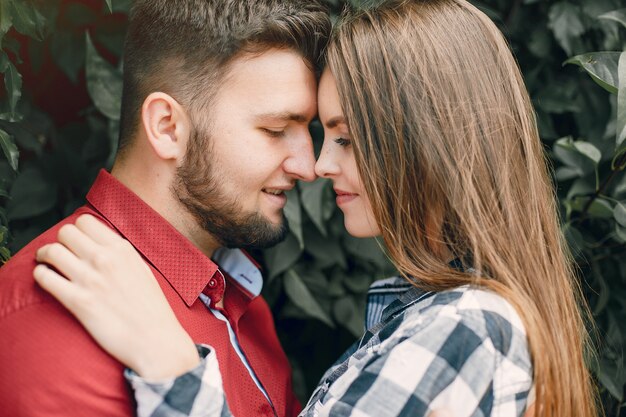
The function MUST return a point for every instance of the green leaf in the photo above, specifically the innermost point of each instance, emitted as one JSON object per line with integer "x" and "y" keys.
{"x": 5, "y": 254}
{"x": 326, "y": 251}
{"x": 32, "y": 194}
{"x": 368, "y": 249}
{"x": 314, "y": 197}
{"x": 616, "y": 15}
{"x": 110, "y": 5}
{"x": 599, "y": 208}
{"x": 621, "y": 105}
{"x": 619, "y": 212}
{"x": 79, "y": 15}
{"x": 565, "y": 23}
{"x": 346, "y": 312}
{"x": 608, "y": 381}
{"x": 27, "y": 20}
{"x": 357, "y": 282}
{"x": 581, "y": 157}
{"x": 620, "y": 233}
{"x": 589, "y": 150}
{"x": 601, "y": 66}
{"x": 68, "y": 52}
{"x": 6, "y": 18}
{"x": 12, "y": 80}
{"x": 293, "y": 213}
{"x": 574, "y": 239}
{"x": 299, "y": 294}
{"x": 282, "y": 256}
{"x": 104, "y": 82}
{"x": 9, "y": 149}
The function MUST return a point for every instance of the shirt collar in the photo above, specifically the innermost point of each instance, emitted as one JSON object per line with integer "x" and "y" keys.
{"x": 182, "y": 264}
{"x": 389, "y": 297}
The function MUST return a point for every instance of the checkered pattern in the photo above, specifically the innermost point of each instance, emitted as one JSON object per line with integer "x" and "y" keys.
{"x": 464, "y": 350}
{"x": 177, "y": 397}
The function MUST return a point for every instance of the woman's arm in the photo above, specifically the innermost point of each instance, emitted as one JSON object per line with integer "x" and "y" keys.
{"x": 100, "y": 278}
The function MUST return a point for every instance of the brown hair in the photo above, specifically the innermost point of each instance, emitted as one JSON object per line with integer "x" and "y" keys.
{"x": 448, "y": 150}
{"x": 183, "y": 47}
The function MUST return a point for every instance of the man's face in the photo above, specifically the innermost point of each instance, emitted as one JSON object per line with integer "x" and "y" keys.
{"x": 236, "y": 171}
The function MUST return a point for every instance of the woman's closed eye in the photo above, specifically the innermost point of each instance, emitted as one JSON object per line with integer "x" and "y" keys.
{"x": 342, "y": 141}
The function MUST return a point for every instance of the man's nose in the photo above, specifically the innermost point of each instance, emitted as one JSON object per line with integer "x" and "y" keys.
{"x": 301, "y": 161}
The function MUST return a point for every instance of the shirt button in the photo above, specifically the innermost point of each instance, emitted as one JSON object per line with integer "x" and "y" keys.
{"x": 212, "y": 283}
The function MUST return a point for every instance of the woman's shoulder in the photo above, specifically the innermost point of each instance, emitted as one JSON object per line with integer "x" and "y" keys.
{"x": 470, "y": 317}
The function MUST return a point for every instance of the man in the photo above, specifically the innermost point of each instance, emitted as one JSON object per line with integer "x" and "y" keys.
{"x": 217, "y": 100}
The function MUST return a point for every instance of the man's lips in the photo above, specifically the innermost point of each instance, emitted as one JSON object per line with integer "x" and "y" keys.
{"x": 277, "y": 195}
{"x": 344, "y": 197}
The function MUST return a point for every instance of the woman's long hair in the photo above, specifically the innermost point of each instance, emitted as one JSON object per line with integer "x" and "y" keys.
{"x": 449, "y": 153}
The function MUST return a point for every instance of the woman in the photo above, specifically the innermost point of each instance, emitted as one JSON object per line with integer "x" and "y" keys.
{"x": 431, "y": 143}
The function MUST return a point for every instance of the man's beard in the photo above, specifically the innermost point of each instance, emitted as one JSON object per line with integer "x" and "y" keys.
{"x": 197, "y": 187}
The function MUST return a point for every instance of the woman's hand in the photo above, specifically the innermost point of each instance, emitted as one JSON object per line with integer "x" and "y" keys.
{"x": 106, "y": 284}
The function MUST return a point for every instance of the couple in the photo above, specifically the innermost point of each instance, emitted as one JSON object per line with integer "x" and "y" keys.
{"x": 431, "y": 143}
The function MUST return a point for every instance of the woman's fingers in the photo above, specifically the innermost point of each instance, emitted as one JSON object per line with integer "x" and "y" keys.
{"x": 96, "y": 230}
{"x": 64, "y": 260}
{"x": 59, "y": 287}
{"x": 77, "y": 241}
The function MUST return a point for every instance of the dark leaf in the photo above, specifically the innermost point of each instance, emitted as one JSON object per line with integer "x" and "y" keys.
{"x": 599, "y": 208}
{"x": 9, "y": 149}
{"x": 282, "y": 256}
{"x": 346, "y": 312}
{"x": 300, "y": 295}
{"x": 12, "y": 80}
{"x": 565, "y": 23}
{"x": 574, "y": 239}
{"x": 620, "y": 233}
{"x": 68, "y": 52}
{"x": 616, "y": 15}
{"x": 619, "y": 212}
{"x": 79, "y": 15}
{"x": 326, "y": 251}
{"x": 607, "y": 380}
{"x": 104, "y": 82}
{"x": 32, "y": 194}
{"x": 6, "y": 19}
{"x": 314, "y": 196}
{"x": 27, "y": 20}
{"x": 293, "y": 213}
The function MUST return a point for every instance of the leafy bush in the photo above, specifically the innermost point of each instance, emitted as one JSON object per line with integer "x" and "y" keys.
{"x": 60, "y": 115}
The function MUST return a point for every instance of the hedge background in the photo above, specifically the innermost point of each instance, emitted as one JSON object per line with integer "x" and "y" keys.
{"x": 59, "y": 116}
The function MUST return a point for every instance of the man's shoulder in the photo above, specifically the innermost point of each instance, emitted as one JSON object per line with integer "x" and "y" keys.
{"x": 18, "y": 289}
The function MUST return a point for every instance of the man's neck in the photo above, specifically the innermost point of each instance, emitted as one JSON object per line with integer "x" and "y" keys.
{"x": 154, "y": 190}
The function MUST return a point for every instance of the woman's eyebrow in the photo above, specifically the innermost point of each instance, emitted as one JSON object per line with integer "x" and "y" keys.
{"x": 334, "y": 121}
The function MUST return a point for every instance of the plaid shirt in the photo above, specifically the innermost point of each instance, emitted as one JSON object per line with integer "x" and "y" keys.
{"x": 464, "y": 350}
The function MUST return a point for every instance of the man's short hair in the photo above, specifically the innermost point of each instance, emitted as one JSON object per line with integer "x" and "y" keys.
{"x": 184, "y": 47}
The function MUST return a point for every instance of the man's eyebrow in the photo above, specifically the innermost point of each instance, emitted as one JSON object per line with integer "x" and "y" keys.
{"x": 283, "y": 116}
{"x": 334, "y": 121}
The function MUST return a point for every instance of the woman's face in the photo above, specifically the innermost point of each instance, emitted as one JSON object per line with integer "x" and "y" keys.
{"x": 337, "y": 162}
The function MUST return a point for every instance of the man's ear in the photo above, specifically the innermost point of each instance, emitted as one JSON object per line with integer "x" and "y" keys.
{"x": 166, "y": 124}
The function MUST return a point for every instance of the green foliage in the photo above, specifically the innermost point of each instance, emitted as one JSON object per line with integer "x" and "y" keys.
{"x": 570, "y": 52}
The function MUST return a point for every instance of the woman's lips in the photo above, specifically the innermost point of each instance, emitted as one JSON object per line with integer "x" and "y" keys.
{"x": 344, "y": 197}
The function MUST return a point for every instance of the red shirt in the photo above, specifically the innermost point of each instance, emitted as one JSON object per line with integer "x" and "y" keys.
{"x": 50, "y": 366}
